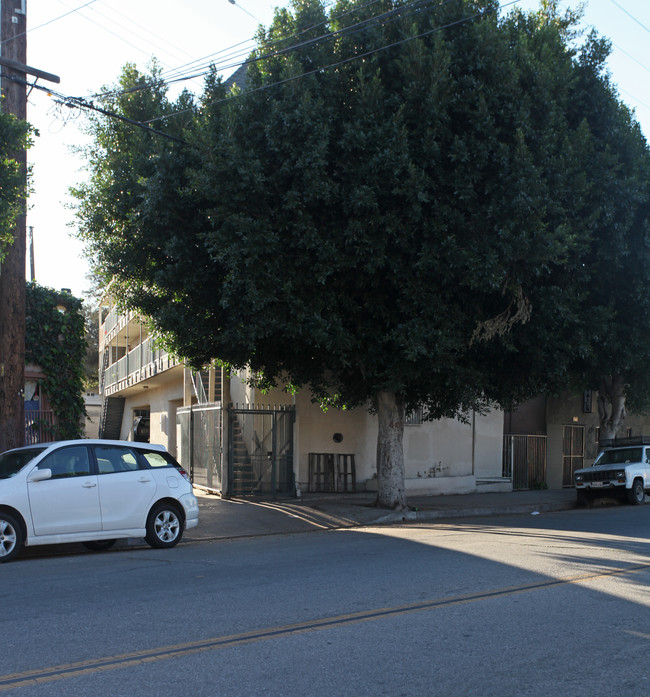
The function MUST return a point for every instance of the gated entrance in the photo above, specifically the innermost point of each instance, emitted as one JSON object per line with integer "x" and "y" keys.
{"x": 524, "y": 460}
{"x": 200, "y": 444}
{"x": 260, "y": 444}
{"x": 573, "y": 452}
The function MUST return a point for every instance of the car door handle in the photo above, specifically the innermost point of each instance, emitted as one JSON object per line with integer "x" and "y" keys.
{"x": 144, "y": 480}
{"x": 88, "y": 485}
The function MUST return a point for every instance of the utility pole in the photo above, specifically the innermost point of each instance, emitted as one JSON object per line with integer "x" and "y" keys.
{"x": 13, "y": 85}
{"x": 13, "y": 23}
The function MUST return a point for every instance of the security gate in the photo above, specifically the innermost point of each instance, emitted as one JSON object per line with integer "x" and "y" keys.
{"x": 260, "y": 445}
{"x": 573, "y": 452}
{"x": 200, "y": 444}
{"x": 524, "y": 460}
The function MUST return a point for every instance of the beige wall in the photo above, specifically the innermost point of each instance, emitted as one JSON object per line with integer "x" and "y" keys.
{"x": 161, "y": 403}
{"x": 445, "y": 456}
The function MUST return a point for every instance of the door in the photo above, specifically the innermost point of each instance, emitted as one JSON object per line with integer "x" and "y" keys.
{"x": 69, "y": 501}
{"x": 573, "y": 452}
{"x": 125, "y": 490}
{"x": 260, "y": 458}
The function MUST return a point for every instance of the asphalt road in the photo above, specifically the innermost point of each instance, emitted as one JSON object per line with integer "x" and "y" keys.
{"x": 555, "y": 604}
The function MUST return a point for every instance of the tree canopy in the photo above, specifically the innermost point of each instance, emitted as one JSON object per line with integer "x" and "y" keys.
{"x": 401, "y": 206}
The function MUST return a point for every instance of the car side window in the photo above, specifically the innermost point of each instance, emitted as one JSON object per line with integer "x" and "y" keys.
{"x": 67, "y": 462}
{"x": 114, "y": 458}
{"x": 156, "y": 458}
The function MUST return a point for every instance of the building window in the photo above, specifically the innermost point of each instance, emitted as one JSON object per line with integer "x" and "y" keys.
{"x": 414, "y": 417}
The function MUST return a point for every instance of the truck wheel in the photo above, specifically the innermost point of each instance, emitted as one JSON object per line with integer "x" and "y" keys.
{"x": 636, "y": 495}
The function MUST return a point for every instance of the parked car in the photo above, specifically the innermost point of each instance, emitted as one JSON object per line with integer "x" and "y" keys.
{"x": 94, "y": 492}
{"x": 622, "y": 469}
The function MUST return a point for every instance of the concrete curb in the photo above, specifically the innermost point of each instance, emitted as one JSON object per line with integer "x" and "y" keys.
{"x": 442, "y": 513}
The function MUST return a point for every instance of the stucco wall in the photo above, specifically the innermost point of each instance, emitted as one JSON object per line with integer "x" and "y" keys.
{"x": 161, "y": 402}
{"x": 441, "y": 456}
{"x": 315, "y": 430}
{"x": 568, "y": 410}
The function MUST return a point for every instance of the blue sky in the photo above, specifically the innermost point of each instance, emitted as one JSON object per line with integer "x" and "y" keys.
{"x": 87, "y": 43}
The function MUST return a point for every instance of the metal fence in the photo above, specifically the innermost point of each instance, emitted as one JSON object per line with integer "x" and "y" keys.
{"x": 260, "y": 457}
{"x": 39, "y": 426}
{"x": 200, "y": 444}
{"x": 524, "y": 460}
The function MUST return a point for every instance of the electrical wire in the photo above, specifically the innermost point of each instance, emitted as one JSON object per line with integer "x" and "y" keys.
{"x": 237, "y": 55}
{"x": 55, "y": 19}
{"x": 342, "y": 62}
{"x": 237, "y": 60}
{"x": 630, "y": 15}
{"x": 82, "y": 103}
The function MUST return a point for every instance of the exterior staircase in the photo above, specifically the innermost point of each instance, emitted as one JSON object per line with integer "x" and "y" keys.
{"x": 111, "y": 420}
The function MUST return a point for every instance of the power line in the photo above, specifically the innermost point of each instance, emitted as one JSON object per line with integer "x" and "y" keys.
{"x": 345, "y": 61}
{"x": 55, "y": 19}
{"x": 237, "y": 57}
{"x": 80, "y": 103}
{"x": 401, "y": 12}
{"x": 629, "y": 14}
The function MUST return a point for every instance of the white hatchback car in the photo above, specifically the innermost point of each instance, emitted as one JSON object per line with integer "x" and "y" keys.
{"x": 94, "y": 492}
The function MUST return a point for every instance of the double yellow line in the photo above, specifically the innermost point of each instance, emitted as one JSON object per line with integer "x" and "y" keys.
{"x": 71, "y": 670}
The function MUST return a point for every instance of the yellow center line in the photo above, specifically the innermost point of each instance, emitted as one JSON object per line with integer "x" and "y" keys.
{"x": 71, "y": 670}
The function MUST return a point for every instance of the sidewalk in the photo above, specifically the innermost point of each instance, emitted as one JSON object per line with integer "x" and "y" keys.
{"x": 222, "y": 519}
{"x": 243, "y": 517}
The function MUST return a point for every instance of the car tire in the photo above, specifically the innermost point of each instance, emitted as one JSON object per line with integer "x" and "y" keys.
{"x": 99, "y": 545}
{"x": 164, "y": 526}
{"x": 11, "y": 537}
{"x": 636, "y": 495}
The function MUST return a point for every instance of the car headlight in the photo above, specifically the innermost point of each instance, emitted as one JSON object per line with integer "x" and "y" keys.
{"x": 579, "y": 478}
{"x": 621, "y": 475}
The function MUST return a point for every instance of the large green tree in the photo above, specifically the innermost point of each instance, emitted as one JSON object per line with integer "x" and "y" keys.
{"x": 616, "y": 217}
{"x": 389, "y": 213}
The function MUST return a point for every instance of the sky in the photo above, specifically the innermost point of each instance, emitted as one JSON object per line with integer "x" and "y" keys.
{"x": 87, "y": 42}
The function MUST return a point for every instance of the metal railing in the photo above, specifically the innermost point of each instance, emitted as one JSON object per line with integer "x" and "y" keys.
{"x": 136, "y": 359}
{"x": 39, "y": 426}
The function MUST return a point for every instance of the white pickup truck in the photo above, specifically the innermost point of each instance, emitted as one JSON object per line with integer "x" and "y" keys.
{"x": 622, "y": 468}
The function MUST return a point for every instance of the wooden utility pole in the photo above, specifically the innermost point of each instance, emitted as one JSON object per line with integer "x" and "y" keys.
{"x": 13, "y": 23}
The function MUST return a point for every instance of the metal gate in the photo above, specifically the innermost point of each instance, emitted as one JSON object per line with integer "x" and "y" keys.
{"x": 200, "y": 444}
{"x": 573, "y": 452}
{"x": 524, "y": 460}
{"x": 260, "y": 450}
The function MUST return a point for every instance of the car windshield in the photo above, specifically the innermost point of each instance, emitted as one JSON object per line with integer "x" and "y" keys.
{"x": 13, "y": 461}
{"x": 619, "y": 456}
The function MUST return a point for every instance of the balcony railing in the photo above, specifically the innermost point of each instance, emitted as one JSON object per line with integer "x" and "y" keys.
{"x": 136, "y": 359}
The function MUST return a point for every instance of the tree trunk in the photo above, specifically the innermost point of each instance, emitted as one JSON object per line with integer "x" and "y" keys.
{"x": 390, "y": 452}
{"x": 611, "y": 405}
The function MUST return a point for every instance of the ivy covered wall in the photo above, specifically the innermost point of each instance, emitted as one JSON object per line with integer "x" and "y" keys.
{"x": 55, "y": 341}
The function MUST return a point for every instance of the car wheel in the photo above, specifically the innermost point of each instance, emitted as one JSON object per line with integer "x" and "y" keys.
{"x": 99, "y": 545}
{"x": 164, "y": 526}
{"x": 11, "y": 537}
{"x": 636, "y": 495}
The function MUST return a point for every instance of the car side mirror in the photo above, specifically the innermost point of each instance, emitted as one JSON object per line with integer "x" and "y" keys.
{"x": 40, "y": 475}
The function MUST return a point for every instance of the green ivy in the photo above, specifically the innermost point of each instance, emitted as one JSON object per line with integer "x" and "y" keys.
{"x": 55, "y": 341}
